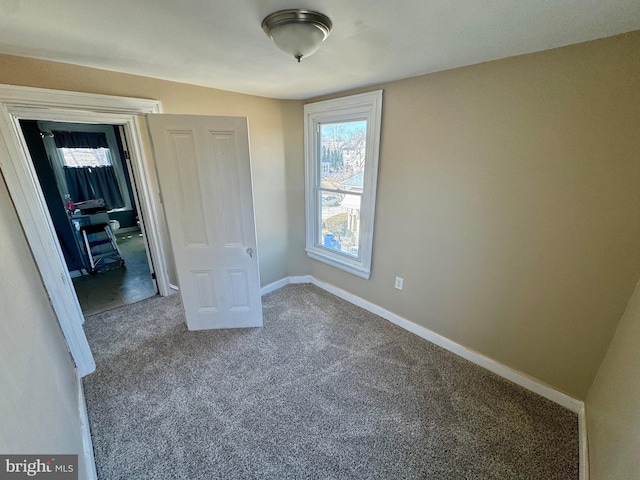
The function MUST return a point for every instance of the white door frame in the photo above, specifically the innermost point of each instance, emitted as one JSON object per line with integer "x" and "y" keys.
{"x": 18, "y": 103}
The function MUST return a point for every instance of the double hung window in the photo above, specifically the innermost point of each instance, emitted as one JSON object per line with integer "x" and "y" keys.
{"x": 342, "y": 138}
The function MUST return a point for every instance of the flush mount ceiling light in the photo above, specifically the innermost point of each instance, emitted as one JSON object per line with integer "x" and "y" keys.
{"x": 297, "y": 32}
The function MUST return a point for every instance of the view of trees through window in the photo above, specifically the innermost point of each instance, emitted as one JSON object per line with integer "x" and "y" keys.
{"x": 343, "y": 147}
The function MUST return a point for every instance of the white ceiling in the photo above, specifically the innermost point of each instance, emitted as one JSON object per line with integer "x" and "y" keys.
{"x": 219, "y": 43}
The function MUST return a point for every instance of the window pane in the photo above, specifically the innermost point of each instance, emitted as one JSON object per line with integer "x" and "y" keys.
{"x": 340, "y": 222}
{"x": 86, "y": 157}
{"x": 342, "y": 154}
{"x": 341, "y": 135}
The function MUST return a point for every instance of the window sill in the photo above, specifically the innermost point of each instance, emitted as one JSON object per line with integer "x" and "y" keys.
{"x": 353, "y": 267}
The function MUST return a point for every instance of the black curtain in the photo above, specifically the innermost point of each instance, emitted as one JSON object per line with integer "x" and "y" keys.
{"x": 88, "y": 183}
{"x": 80, "y": 139}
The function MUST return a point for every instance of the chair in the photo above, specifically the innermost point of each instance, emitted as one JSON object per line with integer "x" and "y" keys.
{"x": 96, "y": 235}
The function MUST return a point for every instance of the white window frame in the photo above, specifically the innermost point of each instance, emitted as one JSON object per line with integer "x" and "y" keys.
{"x": 364, "y": 106}
{"x": 58, "y": 160}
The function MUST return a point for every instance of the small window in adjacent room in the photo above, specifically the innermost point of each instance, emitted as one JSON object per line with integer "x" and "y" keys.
{"x": 86, "y": 157}
{"x": 86, "y": 162}
{"x": 342, "y": 138}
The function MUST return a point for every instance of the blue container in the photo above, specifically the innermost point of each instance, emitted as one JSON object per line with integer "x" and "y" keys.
{"x": 331, "y": 242}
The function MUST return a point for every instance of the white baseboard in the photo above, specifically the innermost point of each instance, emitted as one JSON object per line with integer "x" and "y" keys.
{"x": 89, "y": 460}
{"x": 498, "y": 368}
{"x": 584, "y": 444}
{"x": 174, "y": 287}
{"x": 274, "y": 286}
{"x": 519, "y": 378}
{"x": 301, "y": 279}
{"x": 284, "y": 281}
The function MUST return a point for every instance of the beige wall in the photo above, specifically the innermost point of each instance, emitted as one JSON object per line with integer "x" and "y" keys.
{"x": 509, "y": 200}
{"x": 298, "y": 263}
{"x": 38, "y": 403}
{"x": 268, "y": 119}
{"x": 38, "y": 410}
{"x": 613, "y": 403}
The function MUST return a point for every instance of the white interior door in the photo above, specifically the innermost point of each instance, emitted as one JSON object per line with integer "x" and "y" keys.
{"x": 204, "y": 173}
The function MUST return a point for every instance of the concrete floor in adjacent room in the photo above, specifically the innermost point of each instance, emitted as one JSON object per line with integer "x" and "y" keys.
{"x": 113, "y": 285}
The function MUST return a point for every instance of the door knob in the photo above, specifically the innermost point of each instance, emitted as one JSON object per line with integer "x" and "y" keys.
{"x": 250, "y": 252}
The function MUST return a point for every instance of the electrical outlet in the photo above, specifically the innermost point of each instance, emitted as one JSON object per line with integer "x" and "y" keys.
{"x": 399, "y": 283}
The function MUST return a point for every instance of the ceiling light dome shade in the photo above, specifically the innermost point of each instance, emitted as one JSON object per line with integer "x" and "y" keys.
{"x": 298, "y": 33}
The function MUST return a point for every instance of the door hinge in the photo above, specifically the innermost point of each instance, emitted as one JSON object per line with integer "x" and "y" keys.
{"x": 153, "y": 275}
{"x": 126, "y": 155}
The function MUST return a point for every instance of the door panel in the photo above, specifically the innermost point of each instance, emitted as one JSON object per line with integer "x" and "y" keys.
{"x": 205, "y": 178}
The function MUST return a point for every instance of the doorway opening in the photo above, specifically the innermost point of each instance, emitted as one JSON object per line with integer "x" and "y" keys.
{"x": 17, "y": 103}
{"x": 88, "y": 186}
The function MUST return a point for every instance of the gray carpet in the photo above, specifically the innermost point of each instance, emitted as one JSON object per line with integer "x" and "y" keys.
{"x": 324, "y": 390}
